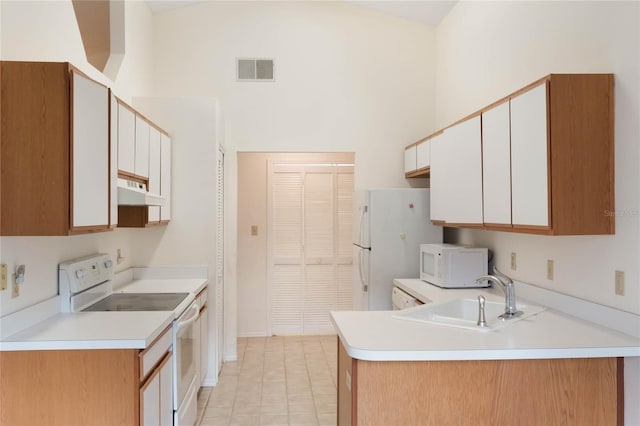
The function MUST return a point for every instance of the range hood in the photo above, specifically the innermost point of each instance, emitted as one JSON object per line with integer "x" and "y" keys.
{"x": 132, "y": 193}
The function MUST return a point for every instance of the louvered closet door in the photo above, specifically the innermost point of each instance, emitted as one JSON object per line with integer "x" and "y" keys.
{"x": 287, "y": 294}
{"x": 311, "y": 250}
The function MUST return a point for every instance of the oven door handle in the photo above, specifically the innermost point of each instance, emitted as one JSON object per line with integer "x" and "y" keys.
{"x": 191, "y": 320}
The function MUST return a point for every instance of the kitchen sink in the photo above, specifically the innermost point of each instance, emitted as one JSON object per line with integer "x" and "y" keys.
{"x": 463, "y": 313}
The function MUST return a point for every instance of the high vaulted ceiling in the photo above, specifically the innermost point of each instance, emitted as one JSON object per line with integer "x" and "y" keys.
{"x": 428, "y": 12}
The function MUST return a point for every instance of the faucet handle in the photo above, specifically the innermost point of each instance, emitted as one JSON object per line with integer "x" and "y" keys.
{"x": 482, "y": 322}
{"x": 497, "y": 272}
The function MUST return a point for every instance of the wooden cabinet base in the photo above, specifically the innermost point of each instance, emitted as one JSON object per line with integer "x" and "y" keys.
{"x": 75, "y": 387}
{"x": 503, "y": 392}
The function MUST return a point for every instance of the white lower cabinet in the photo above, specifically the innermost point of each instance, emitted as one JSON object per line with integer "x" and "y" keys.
{"x": 166, "y": 393}
{"x": 150, "y": 401}
{"x": 156, "y": 384}
{"x": 156, "y": 396}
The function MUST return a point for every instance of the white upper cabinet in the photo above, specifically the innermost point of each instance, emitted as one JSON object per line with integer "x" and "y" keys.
{"x": 154, "y": 171}
{"x": 439, "y": 157}
{"x": 417, "y": 159}
{"x": 496, "y": 161}
{"x": 546, "y": 164}
{"x": 141, "y": 157}
{"x": 126, "y": 121}
{"x": 529, "y": 158}
{"x": 423, "y": 158}
{"x": 90, "y": 142}
{"x": 410, "y": 159}
{"x": 113, "y": 164}
{"x": 463, "y": 189}
{"x": 165, "y": 176}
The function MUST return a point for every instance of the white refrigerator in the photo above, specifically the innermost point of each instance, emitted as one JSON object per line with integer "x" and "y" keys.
{"x": 389, "y": 226}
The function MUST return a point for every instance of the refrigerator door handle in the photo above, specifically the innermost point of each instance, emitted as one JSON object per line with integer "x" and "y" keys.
{"x": 364, "y": 211}
{"x": 365, "y": 287}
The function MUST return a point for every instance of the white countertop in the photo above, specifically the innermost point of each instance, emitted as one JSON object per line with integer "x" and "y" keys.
{"x": 91, "y": 330}
{"x": 378, "y": 336}
{"x": 103, "y": 330}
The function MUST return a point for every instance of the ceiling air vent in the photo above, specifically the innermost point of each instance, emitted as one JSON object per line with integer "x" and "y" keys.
{"x": 255, "y": 70}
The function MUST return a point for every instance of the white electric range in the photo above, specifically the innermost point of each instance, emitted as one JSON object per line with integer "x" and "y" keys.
{"x": 85, "y": 285}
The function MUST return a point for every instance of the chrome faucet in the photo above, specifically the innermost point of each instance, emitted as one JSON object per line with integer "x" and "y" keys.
{"x": 506, "y": 284}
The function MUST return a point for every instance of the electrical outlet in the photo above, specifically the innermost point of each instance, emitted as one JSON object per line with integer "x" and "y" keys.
{"x": 620, "y": 283}
{"x": 15, "y": 287}
{"x": 3, "y": 277}
{"x": 119, "y": 258}
{"x": 513, "y": 260}
{"x": 550, "y": 270}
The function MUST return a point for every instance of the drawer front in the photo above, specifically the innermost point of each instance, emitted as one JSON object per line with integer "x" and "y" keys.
{"x": 154, "y": 353}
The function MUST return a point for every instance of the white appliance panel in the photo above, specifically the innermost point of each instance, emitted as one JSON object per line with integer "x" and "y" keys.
{"x": 395, "y": 224}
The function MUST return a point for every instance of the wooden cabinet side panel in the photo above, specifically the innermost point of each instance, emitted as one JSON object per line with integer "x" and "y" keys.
{"x": 35, "y": 148}
{"x": 75, "y": 387}
{"x": 582, "y": 154}
{"x": 526, "y": 392}
{"x": 346, "y": 397}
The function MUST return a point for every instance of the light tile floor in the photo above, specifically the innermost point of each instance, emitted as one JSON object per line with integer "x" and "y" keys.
{"x": 276, "y": 381}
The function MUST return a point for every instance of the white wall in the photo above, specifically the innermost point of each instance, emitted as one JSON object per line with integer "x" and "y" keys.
{"x": 487, "y": 50}
{"x": 189, "y": 239}
{"x": 47, "y": 31}
{"x": 347, "y": 79}
{"x": 252, "y": 273}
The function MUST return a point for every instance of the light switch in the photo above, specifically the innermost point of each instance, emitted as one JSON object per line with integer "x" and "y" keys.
{"x": 254, "y": 230}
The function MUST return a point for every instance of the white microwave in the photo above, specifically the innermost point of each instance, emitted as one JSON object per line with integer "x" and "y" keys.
{"x": 452, "y": 266}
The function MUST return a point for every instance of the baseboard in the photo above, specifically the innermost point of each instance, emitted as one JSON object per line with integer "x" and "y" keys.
{"x": 207, "y": 383}
{"x": 253, "y": 334}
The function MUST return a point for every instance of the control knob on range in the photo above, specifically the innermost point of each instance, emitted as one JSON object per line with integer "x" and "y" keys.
{"x": 108, "y": 263}
{"x": 80, "y": 274}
